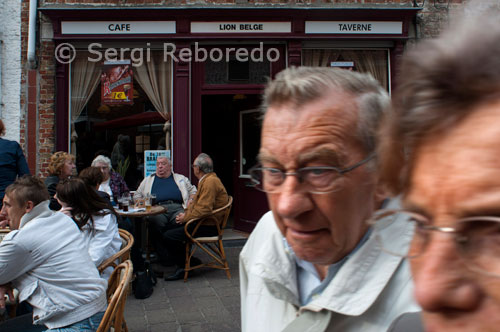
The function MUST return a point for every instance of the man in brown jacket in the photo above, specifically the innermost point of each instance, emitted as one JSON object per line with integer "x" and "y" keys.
{"x": 211, "y": 195}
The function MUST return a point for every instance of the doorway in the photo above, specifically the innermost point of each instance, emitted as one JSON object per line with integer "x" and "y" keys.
{"x": 225, "y": 124}
{"x": 231, "y": 136}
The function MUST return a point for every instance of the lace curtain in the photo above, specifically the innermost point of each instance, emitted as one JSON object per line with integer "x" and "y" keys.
{"x": 84, "y": 81}
{"x": 365, "y": 61}
{"x": 155, "y": 78}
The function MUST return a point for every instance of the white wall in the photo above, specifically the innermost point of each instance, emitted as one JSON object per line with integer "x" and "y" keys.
{"x": 10, "y": 53}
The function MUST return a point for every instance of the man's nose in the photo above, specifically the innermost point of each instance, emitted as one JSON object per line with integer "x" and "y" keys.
{"x": 292, "y": 199}
{"x": 442, "y": 281}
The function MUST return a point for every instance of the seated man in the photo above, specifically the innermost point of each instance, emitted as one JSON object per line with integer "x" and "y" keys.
{"x": 211, "y": 195}
{"x": 312, "y": 262}
{"x": 174, "y": 191}
{"x": 44, "y": 257}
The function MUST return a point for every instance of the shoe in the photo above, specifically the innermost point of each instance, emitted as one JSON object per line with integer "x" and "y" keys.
{"x": 178, "y": 274}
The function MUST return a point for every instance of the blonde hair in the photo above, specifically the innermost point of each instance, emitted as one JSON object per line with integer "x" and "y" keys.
{"x": 57, "y": 161}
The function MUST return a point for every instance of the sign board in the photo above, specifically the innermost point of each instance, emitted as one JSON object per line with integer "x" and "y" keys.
{"x": 354, "y": 27}
{"x": 241, "y": 27}
{"x": 117, "y": 27}
{"x": 150, "y": 157}
{"x": 117, "y": 83}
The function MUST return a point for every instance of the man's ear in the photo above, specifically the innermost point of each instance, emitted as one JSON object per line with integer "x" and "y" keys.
{"x": 29, "y": 206}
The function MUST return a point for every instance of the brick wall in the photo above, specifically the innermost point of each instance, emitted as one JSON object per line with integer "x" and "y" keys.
{"x": 430, "y": 21}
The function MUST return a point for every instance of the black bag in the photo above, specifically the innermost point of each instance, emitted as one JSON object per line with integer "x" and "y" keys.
{"x": 144, "y": 282}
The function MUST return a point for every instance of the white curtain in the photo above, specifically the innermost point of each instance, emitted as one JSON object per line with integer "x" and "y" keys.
{"x": 372, "y": 62}
{"x": 320, "y": 58}
{"x": 84, "y": 80}
{"x": 155, "y": 77}
{"x": 365, "y": 61}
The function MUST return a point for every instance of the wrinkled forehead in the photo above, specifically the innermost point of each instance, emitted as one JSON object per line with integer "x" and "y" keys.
{"x": 162, "y": 160}
{"x": 458, "y": 167}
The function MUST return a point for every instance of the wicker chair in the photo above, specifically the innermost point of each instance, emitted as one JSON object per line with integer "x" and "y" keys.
{"x": 122, "y": 255}
{"x": 117, "y": 296}
{"x": 212, "y": 245}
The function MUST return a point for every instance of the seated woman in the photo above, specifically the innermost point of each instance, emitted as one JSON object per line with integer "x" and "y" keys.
{"x": 113, "y": 183}
{"x": 94, "y": 177}
{"x": 61, "y": 166}
{"x": 95, "y": 218}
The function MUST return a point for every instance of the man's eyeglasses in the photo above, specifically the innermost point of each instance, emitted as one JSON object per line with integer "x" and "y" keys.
{"x": 477, "y": 238}
{"x": 316, "y": 179}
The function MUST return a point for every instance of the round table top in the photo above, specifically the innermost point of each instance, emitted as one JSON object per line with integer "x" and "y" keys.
{"x": 141, "y": 212}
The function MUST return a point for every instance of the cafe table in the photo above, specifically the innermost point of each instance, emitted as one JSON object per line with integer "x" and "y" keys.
{"x": 142, "y": 213}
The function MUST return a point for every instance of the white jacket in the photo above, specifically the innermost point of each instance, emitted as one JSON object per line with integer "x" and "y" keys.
{"x": 370, "y": 290}
{"x": 185, "y": 186}
{"x": 104, "y": 241}
{"x": 47, "y": 262}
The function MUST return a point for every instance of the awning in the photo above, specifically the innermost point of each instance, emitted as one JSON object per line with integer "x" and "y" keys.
{"x": 131, "y": 121}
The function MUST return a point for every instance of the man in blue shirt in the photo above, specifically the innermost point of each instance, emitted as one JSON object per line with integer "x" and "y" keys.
{"x": 174, "y": 191}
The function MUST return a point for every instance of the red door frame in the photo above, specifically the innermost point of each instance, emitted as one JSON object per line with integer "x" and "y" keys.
{"x": 198, "y": 90}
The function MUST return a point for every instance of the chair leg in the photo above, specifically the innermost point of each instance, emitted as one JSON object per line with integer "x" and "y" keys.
{"x": 224, "y": 259}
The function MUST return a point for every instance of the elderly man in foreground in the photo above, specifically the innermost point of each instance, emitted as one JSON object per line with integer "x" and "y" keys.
{"x": 312, "y": 263}
{"x": 211, "y": 195}
{"x": 446, "y": 119}
{"x": 46, "y": 259}
{"x": 174, "y": 191}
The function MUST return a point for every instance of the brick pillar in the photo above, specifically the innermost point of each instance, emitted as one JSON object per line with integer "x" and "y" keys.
{"x": 31, "y": 121}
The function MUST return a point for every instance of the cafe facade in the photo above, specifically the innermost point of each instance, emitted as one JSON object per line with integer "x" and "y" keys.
{"x": 187, "y": 79}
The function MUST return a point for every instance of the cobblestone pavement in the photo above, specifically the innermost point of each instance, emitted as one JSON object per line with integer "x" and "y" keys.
{"x": 208, "y": 301}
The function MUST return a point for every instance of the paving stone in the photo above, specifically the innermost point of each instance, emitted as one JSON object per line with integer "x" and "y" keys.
{"x": 207, "y": 302}
{"x": 220, "y": 283}
{"x": 185, "y": 304}
{"x": 160, "y": 316}
{"x": 165, "y": 304}
{"x": 221, "y": 318}
{"x": 168, "y": 327}
{"x": 197, "y": 282}
{"x": 136, "y": 323}
{"x": 224, "y": 327}
{"x": 230, "y": 301}
{"x": 228, "y": 291}
{"x": 176, "y": 291}
{"x": 190, "y": 317}
{"x": 194, "y": 328}
{"x": 202, "y": 292}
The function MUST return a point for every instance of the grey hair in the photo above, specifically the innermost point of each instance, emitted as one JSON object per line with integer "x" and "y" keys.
{"x": 101, "y": 159}
{"x": 166, "y": 158}
{"x": 301, "y": 85}
{"x": 443, "y": 81}
{"x": 205, "y": 163}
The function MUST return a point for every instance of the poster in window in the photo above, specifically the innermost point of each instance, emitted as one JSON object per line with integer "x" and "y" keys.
{"x": 150, "y": 157}
{"x": 117, "y": 83}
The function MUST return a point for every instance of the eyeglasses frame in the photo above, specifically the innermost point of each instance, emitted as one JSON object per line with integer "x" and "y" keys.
{"x": 256, "y": 182}
{"x": 459, "y": 239}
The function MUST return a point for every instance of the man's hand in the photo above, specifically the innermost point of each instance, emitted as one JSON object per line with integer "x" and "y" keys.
{"x": 180, "y": 218}
{"x": 6, "y": 290}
